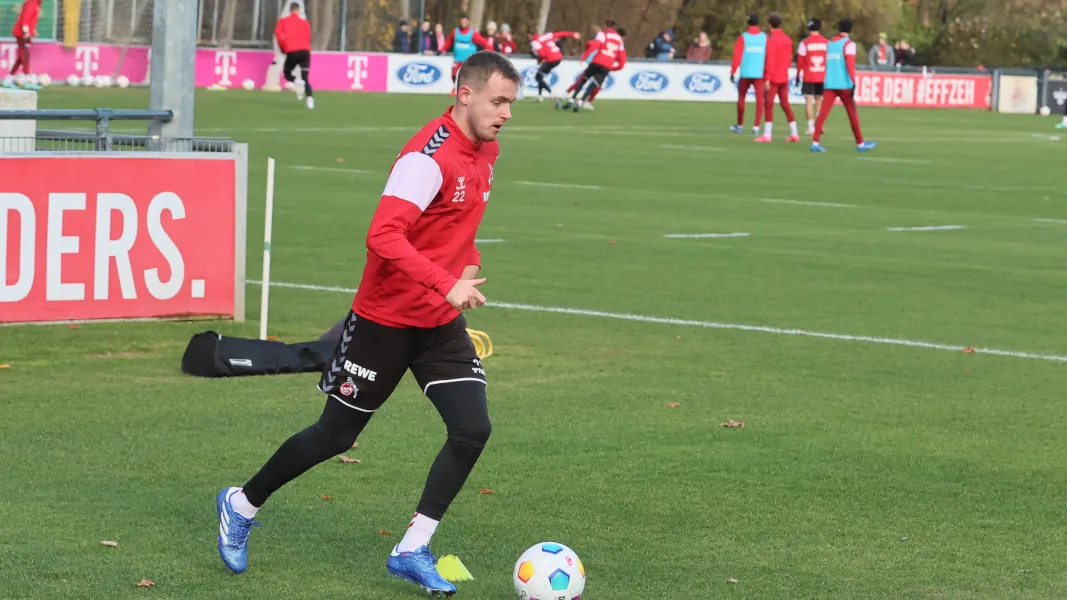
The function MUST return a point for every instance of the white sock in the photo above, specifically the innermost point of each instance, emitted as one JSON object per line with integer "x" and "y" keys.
{"x": 811, "y": 125}
{"x": 240, "y": 503}
{"x": 755, "y": 129}
{"x": 419, "y": 533}
{"x": 793, "y": 128}
{"x": 1065, "y": 119}
{"x": 767, "y": 128}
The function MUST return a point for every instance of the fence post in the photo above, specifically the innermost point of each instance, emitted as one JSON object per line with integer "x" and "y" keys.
{"x": 173, "y": 67}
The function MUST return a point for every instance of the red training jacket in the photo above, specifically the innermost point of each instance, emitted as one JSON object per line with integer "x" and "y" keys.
{"x": 811, "y": 58}
{"x": 608, "y": 50}
{"x": 779, "y": 57}
{"x": 548, "y": 50}
{"x": 739, "y": 49}
{"x": 293, "y": 33}
{"x": 28, "y": 16}
{"x": 422, "y": 234}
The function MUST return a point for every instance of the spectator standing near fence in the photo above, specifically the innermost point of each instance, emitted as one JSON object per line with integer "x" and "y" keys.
{"x": 700, "y": 49}
{"x": 882, "y": 55}
{"x": 505, "y": 42}
{"x": 427, "y": 41}
{"x": 402, "y": 38}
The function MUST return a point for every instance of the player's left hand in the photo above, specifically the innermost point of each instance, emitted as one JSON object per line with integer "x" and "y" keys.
{"x": 767, "y": 85}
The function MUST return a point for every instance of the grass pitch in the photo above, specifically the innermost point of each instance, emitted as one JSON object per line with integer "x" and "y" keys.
{"x": 866, "y": 469}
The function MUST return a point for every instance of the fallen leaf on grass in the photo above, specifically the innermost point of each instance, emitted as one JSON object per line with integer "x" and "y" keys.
{"x": 612, "y": 242}
{"x": 486, "y": 491}
{"x": 384, "y": 532}
{"x": 72, "y": 326}
{"x": 271, "y": 338}
{"x": 968, "y": 350}
{"x": 287, "y": 397}
{"x": 327, "y": 498}
{"x": 346, "y": 460}
{"x": 354, "y": 444}
{"x": 109, "y": 544}
{"x": 674, "y": 404}
{"x": 5, "y": 366}
{"x": 731, "y": 580}
{"x": 145, "y": 583}
{"x": 732, "y": 423}
{"x": 967, "y": 371}
{"x": 1025, "y": 571}
{"x": 340, "y": 160}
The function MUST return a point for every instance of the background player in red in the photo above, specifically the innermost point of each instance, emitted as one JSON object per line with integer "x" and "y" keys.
{"x": 608, "y": 53}
{"x": 776, "y": 75}
{"x": 463, "y": 42}
{"x": 293, "y": 33}
{"x": 749, "y": 58}
{"x": 25, "y": 30}
{"x": 420, "y": 274}
{"x": 549, "y": 56}
{"x": 811, "y": 69}
{"x": 840, "y": 84}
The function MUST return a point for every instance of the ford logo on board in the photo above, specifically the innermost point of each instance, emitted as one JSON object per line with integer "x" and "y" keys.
{"x": 529, "y": 78}
{"x": 418, "y": 74}
{"x": 649, "y": 82}
{"x": 702, "y": 83}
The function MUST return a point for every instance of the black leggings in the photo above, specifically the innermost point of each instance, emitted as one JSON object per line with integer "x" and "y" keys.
{"x": 463, "y": 408}
{"x": 301, "y": 58}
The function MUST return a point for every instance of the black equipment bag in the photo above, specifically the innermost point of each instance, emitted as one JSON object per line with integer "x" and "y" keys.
{"x": 210, "y": 354}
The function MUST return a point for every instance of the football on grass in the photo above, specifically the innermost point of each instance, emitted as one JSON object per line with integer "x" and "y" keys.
{"x": 549, "y": 571}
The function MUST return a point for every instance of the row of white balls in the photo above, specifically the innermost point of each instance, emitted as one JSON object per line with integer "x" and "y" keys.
{"x": 100, "y": 81}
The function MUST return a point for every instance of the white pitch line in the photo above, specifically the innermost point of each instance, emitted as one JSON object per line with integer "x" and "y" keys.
{"x": 716, "y": 325}
{"x": 806, "y": 203}
{"x": 678, "y": 236}
{"x": 928, "y": 228}
{"x": 907, "y": 161}
{"x": 693, "y": 148}
{"x": 1063, "y": 221}
{"x": 330, "y": 169}
{"x": 559, "y": 185}
{"x": 490, "y": 241}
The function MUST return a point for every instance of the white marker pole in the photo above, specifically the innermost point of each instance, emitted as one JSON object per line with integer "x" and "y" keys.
{"x": 265, "y": 292}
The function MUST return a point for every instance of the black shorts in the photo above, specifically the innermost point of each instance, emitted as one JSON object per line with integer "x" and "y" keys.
{"x": 298, "y": 57}
{"x": 546, "y": 67}
{"x": 371, "y": 359}
{"x": 812, "y": 89}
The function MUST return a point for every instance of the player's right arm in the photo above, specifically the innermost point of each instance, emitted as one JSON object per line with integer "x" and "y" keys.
{"x": 279, "y": 34}
{"x": 739, "y": 51}
{"x": 413, "y": 184}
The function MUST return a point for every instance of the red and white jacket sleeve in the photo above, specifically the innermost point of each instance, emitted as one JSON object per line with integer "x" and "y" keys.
{"x": 850, "y": 60}
{"x": 413, "y": 184}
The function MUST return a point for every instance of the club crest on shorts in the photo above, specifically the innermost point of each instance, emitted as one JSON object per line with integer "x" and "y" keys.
{"x": 348, "y": 388}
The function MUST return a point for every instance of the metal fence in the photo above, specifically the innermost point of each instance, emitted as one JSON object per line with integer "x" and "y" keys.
{"x": 102, "y": 139}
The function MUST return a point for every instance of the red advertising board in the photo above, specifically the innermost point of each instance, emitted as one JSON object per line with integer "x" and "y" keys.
{"x": 111, "y": 237}
{"x": 913, "y": 90}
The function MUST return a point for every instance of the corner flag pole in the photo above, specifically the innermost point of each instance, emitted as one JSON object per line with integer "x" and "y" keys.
{"x": 265, "y": 292}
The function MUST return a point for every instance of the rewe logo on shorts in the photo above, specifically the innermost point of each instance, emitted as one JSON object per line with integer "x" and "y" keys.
{"x": 361, "y": 372}
{"x": 649, "y": 82}
{"x": 702, "y": 83}
{"x": 418, "y": 74}
{"x": 529, "y": 78}
{"x": 225, "y": 65}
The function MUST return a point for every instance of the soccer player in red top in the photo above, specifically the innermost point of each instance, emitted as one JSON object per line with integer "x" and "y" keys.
{"x": 548, "y": 55}
{"x": 840, "y": 84}
{"x": 586, "y": 53}
{"x": 750, "y": 58}
{"x": 608, "y": 53}
{"x": 776, "y": 74}
{"x": 421, "y": 273}
{"x": 293, "y": 33}
{"x": 463, "y": 42}
{"x": 25, "y": 30}
{"x": 811, "y": 69}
